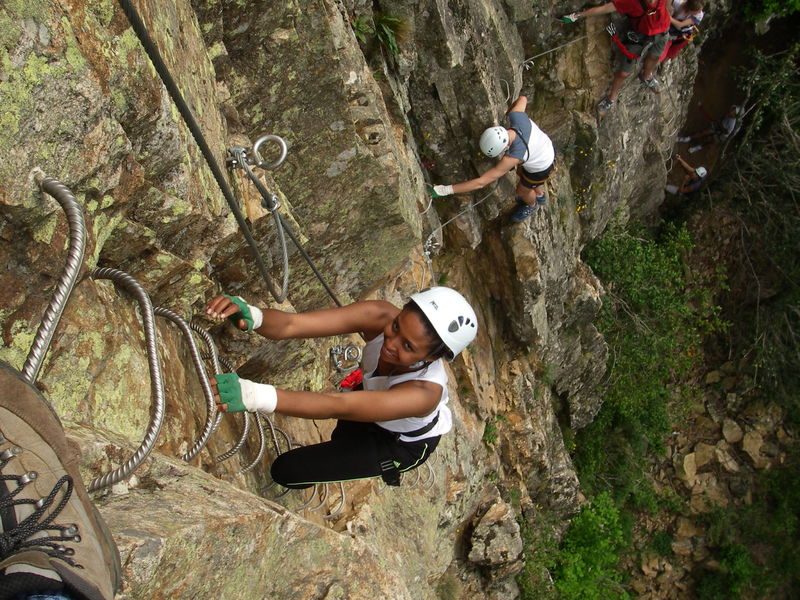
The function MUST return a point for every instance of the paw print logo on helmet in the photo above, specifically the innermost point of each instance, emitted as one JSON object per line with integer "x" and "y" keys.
{"x": 451, "y": 316}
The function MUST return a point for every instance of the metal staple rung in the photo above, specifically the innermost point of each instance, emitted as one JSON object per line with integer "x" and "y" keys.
{"x": 156, "y": 383}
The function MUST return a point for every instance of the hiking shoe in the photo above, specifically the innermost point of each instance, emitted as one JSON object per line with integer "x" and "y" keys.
{"x": 682, "y": 139}
{"x": 523, "y": 212}
{"x": 651, "y": 84}
{"x": 52, "y": 538}
{"x": 541, "y": 200}
{"x": 604, "y": 106}
{"x": 694, "y": 149}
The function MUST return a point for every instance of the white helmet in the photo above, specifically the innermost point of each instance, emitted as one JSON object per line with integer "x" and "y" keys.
{"x": 701, "y": 171}
{"x": 451, "y": 316}
{"x": 493, "y": 141}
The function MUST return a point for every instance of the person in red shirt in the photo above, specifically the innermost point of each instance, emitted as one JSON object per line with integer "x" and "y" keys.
{"x": 646, "y": 34}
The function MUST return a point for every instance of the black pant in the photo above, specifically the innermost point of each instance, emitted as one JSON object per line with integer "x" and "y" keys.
{"x": 354, "y": 452}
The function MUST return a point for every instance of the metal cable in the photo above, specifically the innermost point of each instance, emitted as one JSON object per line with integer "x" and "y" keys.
{"x": 262, "y": 445}
{"x": 211, "y": 407}
{"x": 221, "y": 361}
{"x": 272, "y": 205}
{"x": 305, "y": 503}
{"x": 338, "y": 510}
{"x": 227, "y": 364}
{"x": 132, "y": 286}
{"x": 274, "y": 437}
{"x": 238, "y": 445}
{"x": 322, "y": 494}
{"x": 215, "y": 360}
{"x": 67, "y": 281}
{"x": 161, "y": 68}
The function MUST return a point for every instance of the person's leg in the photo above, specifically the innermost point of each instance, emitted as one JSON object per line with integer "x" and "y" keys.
{"x": 616, "y": 85}
{"x": 354, "y": 452}
{"x": 526, "y": 194}
{"x": 649, "y": 65}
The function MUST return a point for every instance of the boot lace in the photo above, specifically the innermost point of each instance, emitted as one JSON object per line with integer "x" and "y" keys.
{"x": 18, "y": 538}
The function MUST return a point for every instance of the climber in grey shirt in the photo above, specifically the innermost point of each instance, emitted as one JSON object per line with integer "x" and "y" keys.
{"x": 521, "y": 146}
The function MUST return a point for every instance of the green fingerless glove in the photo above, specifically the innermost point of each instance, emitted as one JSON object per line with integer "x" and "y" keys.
{"x": 230, "y": 391}
{"x": 251, "y": 315}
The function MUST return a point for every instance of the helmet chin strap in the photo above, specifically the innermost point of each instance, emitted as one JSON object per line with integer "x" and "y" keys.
{"x": 423, "y": 362}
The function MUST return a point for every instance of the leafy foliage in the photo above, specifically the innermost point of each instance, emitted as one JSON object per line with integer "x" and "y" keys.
{"x": 589, "y": 554}
{"x": 389, "y": 30}
{"x": 653, "y": 320}
{"x": 756, "y": 10}
{"x": 771, "y": 526}
{"x": 762, "y": 179}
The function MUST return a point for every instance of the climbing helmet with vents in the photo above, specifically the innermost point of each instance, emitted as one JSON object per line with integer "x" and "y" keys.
{"x": 494, "y": 141}
{"x": 451, "y": 316}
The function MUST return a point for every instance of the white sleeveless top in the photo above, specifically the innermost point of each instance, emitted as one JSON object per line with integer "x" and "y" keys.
{"x": 434, "y": 373}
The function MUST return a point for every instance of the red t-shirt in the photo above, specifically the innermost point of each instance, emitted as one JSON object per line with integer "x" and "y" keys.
{"x": 653, "y": 21}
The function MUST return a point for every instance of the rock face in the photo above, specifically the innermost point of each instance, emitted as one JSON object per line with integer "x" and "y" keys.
{"x": 367, "y": 128}
{"x": 495, "y": 542}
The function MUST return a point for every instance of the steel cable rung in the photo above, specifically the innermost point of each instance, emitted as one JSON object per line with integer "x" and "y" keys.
{"x": 215, "y": 361}
{"x": 156, "y": 382}
{"x": 262, "y": 446}
{"x": 211, "y": 407}
{"x": 67, "y": 281}
{"x": 238, "y": 445}
{"x": 338, "y": 510}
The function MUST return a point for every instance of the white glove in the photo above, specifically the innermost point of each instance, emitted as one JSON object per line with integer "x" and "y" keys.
{"x": 443, "y": 190}
{"x": 570, "y": 18}
{"x": 260, "y": 397}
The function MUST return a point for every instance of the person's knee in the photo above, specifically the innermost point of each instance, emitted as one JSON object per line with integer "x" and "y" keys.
{"x": 284, "y": 472}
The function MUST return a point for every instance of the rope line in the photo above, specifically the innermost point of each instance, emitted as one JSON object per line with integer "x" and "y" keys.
{"x": 155, "y": 57}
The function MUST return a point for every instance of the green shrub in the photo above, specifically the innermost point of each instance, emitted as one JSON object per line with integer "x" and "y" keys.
{"x": 735, "y": 575}
{"x": 540, "y": 550}
{"x": 756, "y": 10}
{"x": 586, "y": 564}
{"x": 662, "y": 543}
{"x": 653, "y": 318}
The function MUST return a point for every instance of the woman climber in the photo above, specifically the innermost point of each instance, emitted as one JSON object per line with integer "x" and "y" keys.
{"x": 391, "y": 425}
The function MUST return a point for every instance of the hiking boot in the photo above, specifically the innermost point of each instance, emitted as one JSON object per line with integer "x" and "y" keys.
{"x": 52, "y": 538}
{"x": 604, "y": 106}
{"x": 651, "y": 84}
{"x": 523, "y": 211}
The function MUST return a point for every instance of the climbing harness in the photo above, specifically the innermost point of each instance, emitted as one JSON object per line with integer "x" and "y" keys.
{"x": 130, "y": 285}
{"x": 612, "y": 31}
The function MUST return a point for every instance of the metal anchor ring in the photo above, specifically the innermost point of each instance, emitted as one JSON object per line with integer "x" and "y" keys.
{"x": 270, "y": 138}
